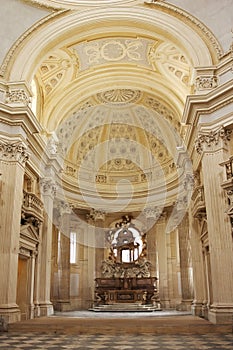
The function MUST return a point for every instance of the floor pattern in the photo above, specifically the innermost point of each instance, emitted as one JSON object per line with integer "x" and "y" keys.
{"x": 32, "y": 341}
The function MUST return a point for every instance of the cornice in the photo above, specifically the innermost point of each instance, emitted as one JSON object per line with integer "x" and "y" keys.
{"x": 207, "y": 103}
{"x": 193, "y": 22}
{"x": 20, "y": 116}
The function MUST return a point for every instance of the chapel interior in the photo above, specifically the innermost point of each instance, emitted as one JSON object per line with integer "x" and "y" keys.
{"x": 116, "y": 157}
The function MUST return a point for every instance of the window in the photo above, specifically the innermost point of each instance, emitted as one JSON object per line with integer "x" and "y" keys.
{"x": 73, "y": 247}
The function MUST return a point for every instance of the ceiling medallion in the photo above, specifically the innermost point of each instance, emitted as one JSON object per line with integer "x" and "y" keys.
{"x": 74, "y": 3}
{"x": 121, "y": 96}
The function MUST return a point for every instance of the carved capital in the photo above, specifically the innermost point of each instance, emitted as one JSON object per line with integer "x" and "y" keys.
{"x": 209, "y": 140}
{"x": 48, "y": 187}
{"x": 96, "y": 215}
{"x": 63, "y": 208}
{"x": 152, "y": 212}
{"x": 206, "y": 82}
{"x": 13, "y": 152}
{"x": 18, "y": 96}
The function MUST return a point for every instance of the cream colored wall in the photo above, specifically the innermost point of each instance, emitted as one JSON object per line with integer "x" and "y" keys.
{"x": 217, "y": 15}
{"x": 15, "y": 18}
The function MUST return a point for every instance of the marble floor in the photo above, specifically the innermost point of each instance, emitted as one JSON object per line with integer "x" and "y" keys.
{"x": 64, "y": 331}
{"x": 32, "y": 341}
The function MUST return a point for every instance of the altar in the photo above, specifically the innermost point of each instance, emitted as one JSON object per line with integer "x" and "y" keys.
{"x": 126, "y": 273}
{"x": 126, "y": 290}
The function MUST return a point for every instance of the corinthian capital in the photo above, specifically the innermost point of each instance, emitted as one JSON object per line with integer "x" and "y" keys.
{"x": 96, "y": 215}
{"x": 209, "y": 140}
{"x": 48, "y": 187}
{"x": 13, "y": 152}
{"x": 152, "y": 212}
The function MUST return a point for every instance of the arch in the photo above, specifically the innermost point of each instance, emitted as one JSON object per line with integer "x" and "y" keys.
{"x": 67, "y": 27}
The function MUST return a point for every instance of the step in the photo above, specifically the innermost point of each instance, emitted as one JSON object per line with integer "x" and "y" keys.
{"x": 124, "y": 307}
{"x": 119, "y": 325}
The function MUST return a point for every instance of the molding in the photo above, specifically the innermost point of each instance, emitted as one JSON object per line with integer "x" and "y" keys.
{"x": 20, "y": 116}
{"x": 193, "y": 22}
{"x": 207, "y": 103}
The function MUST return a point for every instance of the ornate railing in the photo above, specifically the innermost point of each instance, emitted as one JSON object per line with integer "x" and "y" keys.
{"x": 228, "y": 165}
{"x": 32, "y": 205}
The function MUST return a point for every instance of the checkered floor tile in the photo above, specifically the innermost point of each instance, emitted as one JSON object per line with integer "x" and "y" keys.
{"x": 33, "y": 341}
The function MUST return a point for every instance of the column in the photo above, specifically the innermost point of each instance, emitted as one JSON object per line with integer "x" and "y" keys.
{"x": 213, "y": 145}
{"x": 152, "y": 215}
{"x": 99, "y": 218}
{"x": 48, "y": 189}
{"x": 185, "y": 265}
{"x": 37, "y": 276}
{"x": 63, "y": 302}
{"x": 13, "y": 157}
{"x": 162, "y": 261}
{"x": 90, "y": 254}
{"x": 32, "y": 279}
{"x": 197, "y": 262}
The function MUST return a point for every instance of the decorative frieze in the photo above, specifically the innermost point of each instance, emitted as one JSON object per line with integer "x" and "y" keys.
{"x": 17, "y": 96}
{"x": 206, "y": 82}
{"x": 13, "y": 152}
{"x": 211, "y": 139}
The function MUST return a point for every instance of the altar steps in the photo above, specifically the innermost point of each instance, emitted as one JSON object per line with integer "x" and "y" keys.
{"x": 124, "y": 307}
{"x": 118, "y": 324}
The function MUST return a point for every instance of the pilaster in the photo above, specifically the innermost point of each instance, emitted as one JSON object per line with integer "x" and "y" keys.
{"x": 213, "y": 144}
{"x": 185, "y": 265}
{"x": 63, "y": 301}
{"x": 162, "y": 261}
{"x": 152, "y": 215}
{"x": 98, "y": 217}
{"x": 13, "y": 156}
{"x": 48, "y": 190}
{"x": 197, "y": 263}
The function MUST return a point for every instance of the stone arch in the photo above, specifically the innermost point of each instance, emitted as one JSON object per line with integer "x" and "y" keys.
{"x": 63, "y": 26}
